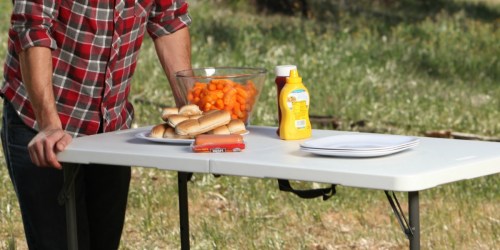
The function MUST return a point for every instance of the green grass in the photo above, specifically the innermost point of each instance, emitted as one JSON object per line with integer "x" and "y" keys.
{"x": 405, "y": 67}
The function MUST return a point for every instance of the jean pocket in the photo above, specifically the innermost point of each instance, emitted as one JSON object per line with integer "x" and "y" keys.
{"x": 19, "y": 135}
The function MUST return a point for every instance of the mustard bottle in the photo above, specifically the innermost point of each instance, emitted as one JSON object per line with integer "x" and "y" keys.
{"x": 294, "y": 106}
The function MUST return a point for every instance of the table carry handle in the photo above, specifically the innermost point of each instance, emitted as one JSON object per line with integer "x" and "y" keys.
{"x": 326, "y": 193}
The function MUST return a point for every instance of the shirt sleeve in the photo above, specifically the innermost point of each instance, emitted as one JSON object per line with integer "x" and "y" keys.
{"x": 32, "y": 22}
{"x": 167, "y": 17}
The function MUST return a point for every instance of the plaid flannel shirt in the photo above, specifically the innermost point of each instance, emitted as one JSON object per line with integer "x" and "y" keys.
{"x": 94, "y": 45}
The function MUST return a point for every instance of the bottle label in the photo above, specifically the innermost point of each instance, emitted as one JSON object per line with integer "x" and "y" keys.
{"x": 298, "y": 102}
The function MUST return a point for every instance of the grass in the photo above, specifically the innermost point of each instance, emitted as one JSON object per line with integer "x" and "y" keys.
{"x": 404, "y": 67}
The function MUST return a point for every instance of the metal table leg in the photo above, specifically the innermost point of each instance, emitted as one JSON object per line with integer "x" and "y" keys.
{"x": 413, "y": 207}
{"x": 411, "y": 226}
{"x": 67, "y": 198}
{"x": 182, "y": 179}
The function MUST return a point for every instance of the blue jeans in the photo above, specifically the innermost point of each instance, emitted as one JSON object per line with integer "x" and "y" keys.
{"x": 101, "y": 194}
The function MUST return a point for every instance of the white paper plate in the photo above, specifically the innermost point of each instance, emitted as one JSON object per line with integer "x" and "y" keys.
{"x": 354, "y": 153}
{"x": 400, "y": 147}
{"x": 360, "y": 142}
{"x": 145, "y": 136}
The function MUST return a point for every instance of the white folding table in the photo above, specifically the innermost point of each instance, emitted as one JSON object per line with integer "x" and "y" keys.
{"x": 433, "y": 162}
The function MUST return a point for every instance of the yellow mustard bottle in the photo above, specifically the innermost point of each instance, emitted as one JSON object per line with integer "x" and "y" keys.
{"x": 294, "y": 106}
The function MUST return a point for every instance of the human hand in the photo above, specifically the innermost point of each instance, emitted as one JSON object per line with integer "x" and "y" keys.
{"x": 46, "y": 144}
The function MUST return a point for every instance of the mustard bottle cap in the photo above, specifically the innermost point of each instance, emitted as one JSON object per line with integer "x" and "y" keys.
{"x": 294, "y": 77}
{"x": 284, "y": 70}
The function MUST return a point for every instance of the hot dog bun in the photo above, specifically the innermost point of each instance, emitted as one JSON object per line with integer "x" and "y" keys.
{"x": 170, "y": 133}
{"x": 166, "y": 112}
{"x": 236, "y": 126}
{"x": 195, "y": 116}
{"x": 190, "y": 109}
{"x": 174, "y": 120}
{"x": 203, "y": 124}
{"x": 222, "y": 130}
{"x": 158, "y": 130}
{"x": 209, "y": 111}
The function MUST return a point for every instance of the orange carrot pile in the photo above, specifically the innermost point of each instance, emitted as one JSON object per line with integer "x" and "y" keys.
{"x": 225, "y": 94}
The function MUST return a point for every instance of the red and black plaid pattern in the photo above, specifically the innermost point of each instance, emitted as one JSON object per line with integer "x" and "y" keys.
{"x": 94, "y": 45}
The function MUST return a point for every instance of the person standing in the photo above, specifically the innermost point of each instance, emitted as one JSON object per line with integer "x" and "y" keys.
{"x": 68, "y": 72}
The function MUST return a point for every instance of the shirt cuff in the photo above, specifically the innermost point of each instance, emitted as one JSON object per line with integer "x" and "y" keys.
{"x": 169, "y": 21}
{"x": 33, "y": 38}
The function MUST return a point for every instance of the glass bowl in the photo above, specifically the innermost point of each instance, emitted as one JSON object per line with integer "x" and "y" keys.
{"x": 234, "y": 89}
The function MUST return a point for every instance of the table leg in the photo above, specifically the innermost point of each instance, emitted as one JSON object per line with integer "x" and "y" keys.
{"x": 68, "y": 199}
{"x": 411, "y": 227}
{"x": 413, "y": 207}
{"x": 182, "y": 179}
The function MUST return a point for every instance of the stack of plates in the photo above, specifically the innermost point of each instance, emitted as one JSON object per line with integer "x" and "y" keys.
{"x": 359, "y": 145}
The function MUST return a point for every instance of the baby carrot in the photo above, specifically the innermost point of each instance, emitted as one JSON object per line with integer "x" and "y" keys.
{"x": 224, "y": 94}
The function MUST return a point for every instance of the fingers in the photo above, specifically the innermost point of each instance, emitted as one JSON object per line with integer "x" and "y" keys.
{"x": 33, "y": 156}
{"x": 50, "y": 155}
{"x": 62, "y": 143}
{"x": 45, "y": 145}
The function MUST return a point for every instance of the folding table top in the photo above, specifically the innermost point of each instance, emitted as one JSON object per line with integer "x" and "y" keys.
{"x": 431, "y": 163}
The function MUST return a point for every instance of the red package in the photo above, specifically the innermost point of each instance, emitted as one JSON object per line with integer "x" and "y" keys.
{"x": 218, "y": 143}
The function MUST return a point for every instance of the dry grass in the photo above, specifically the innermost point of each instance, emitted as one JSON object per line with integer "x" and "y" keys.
{"x": 226, "y": 214}
{"x": 403, "y": 75}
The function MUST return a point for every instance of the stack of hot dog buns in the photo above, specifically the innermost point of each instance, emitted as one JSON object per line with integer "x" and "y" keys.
{"x": 189, "y": 121}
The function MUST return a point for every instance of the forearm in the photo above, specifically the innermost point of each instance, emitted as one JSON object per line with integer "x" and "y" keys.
{"x": 174, "y": 52}
{"x": 36, "y": 69}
